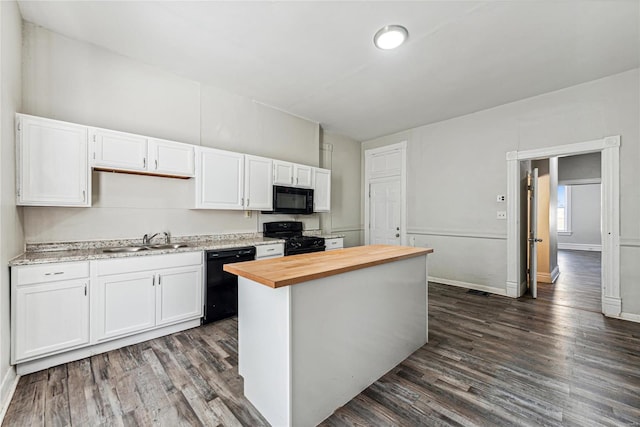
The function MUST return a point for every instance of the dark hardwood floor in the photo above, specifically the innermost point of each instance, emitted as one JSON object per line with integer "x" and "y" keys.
{"x": 490, "y": 361}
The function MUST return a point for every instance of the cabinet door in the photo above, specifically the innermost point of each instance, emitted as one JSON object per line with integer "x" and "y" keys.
{"x": 118, "y": 150}
{"x": 179, "y": 295}
{"x": 52, "y": 166}
{"x": 303, "y": 176}
{"x": 171, "y": 158}
{"x": 322, "y": 190}
{"x": 219, "y": 179}
{"x": 258, "y": 183}
{"x": 282, "y": 173}
{"x": 50, "y": 318}
{"x": 125, "y": 304}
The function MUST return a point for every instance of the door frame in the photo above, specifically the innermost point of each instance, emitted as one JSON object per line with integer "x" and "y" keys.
{"x": 368, "y": 155}
{"x": 609, "y": 147}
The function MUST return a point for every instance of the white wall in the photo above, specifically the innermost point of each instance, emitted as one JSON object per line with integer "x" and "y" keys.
{"x": 11, "y": 238}
{"x": 585, "y": 216}
{"x": 74, "y": 81}
{"x": 582, "y": 167}
{"x": 342, "y": 155}
{"x": 457, "y": 167}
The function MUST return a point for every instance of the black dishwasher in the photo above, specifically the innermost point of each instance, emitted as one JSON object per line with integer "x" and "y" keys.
{"x": 221, "y": 288}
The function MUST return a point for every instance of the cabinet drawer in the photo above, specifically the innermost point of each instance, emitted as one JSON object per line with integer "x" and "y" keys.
{"x": 336, "y": 243}
{"x": 146, "y": 263}
{"x": 26, "y": 275}
{"x": 271, "y": 251}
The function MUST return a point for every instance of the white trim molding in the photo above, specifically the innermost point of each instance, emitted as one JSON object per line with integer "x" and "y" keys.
{"x": 549, "y": 277}
{"x": 630, "y": 317}
{"x": 630, "y": 243}
{"x": 7, "y": 389}
{"x": 609, "y": 148}
{"x": 467, "y": 285}
{"x": 472, "y": 234}
{"x": 580, "y": 181}
{"x": 580, "y": 247}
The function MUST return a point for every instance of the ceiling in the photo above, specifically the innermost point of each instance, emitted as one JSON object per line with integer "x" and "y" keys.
{"x": 317, "y": 59}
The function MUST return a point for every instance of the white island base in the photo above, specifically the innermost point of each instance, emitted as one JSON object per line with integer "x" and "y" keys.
{"x": 309, "y": 348}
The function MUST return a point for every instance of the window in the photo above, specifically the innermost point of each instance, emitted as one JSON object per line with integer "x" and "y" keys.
{"x": 564, "y": 209}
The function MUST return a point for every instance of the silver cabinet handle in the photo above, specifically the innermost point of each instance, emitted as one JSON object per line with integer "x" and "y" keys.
{"x": 242, "y": 201}
{"x": 154, "y": 280}
{"x": 247, "y": 202}
{"x": 54, "y": 273}
{"x": 85, "y": 289}
{"x": 270, "y": 250}
{"x": 144, "y": 162}
{"x": 156, "y": 164}
{"x": 84, "y": 195}
{"x": 159, "y": 280}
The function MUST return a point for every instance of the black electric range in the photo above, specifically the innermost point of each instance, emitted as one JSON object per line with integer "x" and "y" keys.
{"x": 295, "y": 242}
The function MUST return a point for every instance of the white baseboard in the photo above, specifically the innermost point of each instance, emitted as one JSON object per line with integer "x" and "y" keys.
{"x": 554, "y": 274}
{"x": 611, "y": 307}
{"x": 630, "y": 317}
{"x": 7, "y": 389}
{"x": 467, "y": 285}
{"x": 580, "y": 247}
{"x": 549, "y": 277}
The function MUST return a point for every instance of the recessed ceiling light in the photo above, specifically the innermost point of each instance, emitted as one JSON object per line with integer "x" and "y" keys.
{"x": 390, "y": 37}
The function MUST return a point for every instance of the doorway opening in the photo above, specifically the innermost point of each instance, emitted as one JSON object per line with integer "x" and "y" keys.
{"x": 568, "y": 235}
{"x": 518, "y": 164}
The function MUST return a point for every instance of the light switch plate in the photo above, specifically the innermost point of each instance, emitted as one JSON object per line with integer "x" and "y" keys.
{"x": 501, "y": 215}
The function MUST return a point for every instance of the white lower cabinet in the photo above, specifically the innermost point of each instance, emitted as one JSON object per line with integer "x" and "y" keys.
{"x": 142, "y": 293}
{"x": 50, "y": 313}
{"x": 126, "y": 304}
{"x": 333, "y": 243}
{"x": 178, "y": 295}
{"x": 66, "y": 311}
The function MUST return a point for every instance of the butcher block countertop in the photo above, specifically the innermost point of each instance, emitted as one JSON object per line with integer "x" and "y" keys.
{"x": 289, "y": 270}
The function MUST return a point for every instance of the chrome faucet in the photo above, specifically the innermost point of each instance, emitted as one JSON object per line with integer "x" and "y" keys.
{"x": 146, "y": 239}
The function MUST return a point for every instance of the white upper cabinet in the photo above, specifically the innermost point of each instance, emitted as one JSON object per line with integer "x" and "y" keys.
{"x": 118, "y": 150}
{"x": 135, "y": 153}
{"x": 282, "y": 173}
{"x": 52, "y": 163}
{"x": 292, "y": 174}
{"x": 171, "y": 158}
{"x": 258, "y": 183}
{"x": 303, "y": 176}
{"x": 219, "y": 179}
{"x": 322, "y": 190}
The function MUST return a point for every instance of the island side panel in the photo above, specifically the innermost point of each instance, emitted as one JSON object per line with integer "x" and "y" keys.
{"x": 264, "y": 349}
{"x": 349, "y": 330}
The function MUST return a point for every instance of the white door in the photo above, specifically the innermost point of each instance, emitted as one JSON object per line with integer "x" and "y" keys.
{"x": 258, "y": 183}
{"x": 282, "y": 173}
{"x": 533, "y": 233}
{"x": 321, "y": 190}
{"x": 118, "y": 150}
{"x": 52, "y": 165}
{"x": 51, "y": 317}
{"x": 384, "y": 211}
{"x": 171, "y": 158}
{"x": 219, "y": 179}
{"x": 126, "y": 304}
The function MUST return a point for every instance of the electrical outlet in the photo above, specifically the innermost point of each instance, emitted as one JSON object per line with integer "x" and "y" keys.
{"x": 500, "y": 198}
{"x": 501, "y": 215}
{"x": 247, "y": 214}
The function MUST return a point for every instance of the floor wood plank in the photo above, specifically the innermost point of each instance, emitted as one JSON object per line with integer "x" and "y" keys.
{"x": 490, "y": 361}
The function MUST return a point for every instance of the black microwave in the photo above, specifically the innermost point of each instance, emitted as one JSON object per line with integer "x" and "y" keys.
{"x": 291, "y": 200}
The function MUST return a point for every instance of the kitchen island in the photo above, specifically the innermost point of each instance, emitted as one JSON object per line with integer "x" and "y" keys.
{"x": 316, "y": 329}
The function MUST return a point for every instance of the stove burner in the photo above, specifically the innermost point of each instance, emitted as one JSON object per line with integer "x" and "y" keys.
{"x": 295, "y": 242}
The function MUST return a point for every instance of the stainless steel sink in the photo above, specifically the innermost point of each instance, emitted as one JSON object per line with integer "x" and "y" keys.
{"x": 168, "y": 246}
{"x": 145, "y": 247}
{"x": 126, "y": 249}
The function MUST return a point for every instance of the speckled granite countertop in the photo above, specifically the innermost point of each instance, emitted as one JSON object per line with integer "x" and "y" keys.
{"x": 43, "y": 253}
